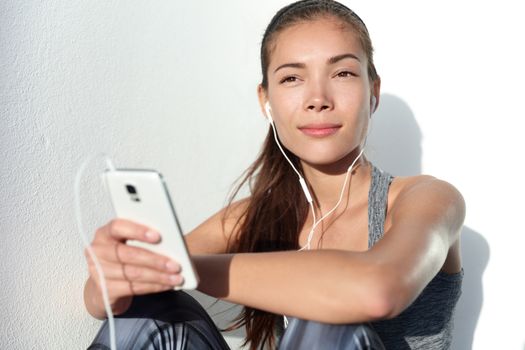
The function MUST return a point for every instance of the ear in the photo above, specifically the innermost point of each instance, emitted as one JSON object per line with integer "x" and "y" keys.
{"x": 263, "y": 98}
{"x": 376, "y": 92}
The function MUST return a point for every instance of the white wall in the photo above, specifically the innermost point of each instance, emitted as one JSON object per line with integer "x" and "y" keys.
{"x": 171, "y": 86}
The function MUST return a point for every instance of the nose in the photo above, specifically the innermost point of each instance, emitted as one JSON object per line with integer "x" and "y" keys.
{"x": 318, "y": 98}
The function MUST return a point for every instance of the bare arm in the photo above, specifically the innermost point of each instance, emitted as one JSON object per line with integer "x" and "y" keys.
{"x": 341, "y": 286}
{"x": 214, "y": 234}
{"x": 307, "y": 284}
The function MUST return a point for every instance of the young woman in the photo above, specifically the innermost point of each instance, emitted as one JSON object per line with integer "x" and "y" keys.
{"x": 385, "y": 263}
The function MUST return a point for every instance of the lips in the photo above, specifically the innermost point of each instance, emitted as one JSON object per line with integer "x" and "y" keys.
{"x": 320, "y": 130}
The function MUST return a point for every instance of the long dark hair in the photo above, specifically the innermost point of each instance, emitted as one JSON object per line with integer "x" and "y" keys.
{"x": 277, "y": 209}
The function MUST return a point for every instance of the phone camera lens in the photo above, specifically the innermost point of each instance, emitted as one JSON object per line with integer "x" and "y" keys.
{"x": 131, "y": 189}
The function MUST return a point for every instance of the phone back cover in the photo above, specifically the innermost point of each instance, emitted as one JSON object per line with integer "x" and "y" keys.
{"x": 151, "y": 206}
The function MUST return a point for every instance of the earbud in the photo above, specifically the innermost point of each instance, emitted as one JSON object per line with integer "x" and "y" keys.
{"x": 373, "y": 101}
{"x": 268, "y": 110}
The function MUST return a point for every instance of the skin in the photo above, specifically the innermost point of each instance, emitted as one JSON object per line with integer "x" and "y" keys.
{"x": 341, "y": 281}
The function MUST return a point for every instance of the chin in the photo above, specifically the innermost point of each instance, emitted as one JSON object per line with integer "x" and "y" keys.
{"x": 322, "y": 158}
{"x": 334, "y": 154}
{"x": 322, "y": 152}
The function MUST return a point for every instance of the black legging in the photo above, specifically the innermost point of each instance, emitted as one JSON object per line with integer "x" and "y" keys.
{"x": 175, "y": 320}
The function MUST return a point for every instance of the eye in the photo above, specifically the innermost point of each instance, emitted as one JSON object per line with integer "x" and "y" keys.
{"x": 346, "y": 74}
{"x": 289, "y": 79}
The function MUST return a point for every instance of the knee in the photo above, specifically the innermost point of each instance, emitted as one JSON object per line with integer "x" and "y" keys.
{"x": 170, "y": 306}
{"x": 309, "y": 334}
{"x": 150, "y": 315}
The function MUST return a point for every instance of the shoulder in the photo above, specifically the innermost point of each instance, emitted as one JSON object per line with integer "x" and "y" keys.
{"x": 423, "y": 186}
{"x": 233, "y": 214}
{"x": 426, "y": 196}
{"x": 213, "y": 236}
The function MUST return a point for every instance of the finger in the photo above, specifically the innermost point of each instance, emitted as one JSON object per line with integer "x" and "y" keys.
{"x": 119, "y": 289}
{"x": 122, "y": 230}
{"x": 147, "y": 288}
{"x": 139, "y": 288}
{"x": 126, "y": 254}
{"x": 136, "y": 274}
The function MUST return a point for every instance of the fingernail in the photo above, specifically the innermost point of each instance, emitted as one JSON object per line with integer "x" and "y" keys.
{"x": 172, "y": 266}
{"x": 152, "y": 235}
{"x": 175, "y": 279}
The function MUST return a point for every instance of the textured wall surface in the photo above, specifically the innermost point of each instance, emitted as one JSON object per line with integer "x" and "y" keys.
{"x": 79, "y": 78}
{"x": 171, "y": 86}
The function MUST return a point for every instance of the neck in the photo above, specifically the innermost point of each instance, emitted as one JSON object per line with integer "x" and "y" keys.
{"x": 327, "y": 181}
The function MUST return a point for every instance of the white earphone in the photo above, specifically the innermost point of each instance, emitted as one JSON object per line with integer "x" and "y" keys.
{"x": 268, "y": 112}
{"x": 303, "y": 182}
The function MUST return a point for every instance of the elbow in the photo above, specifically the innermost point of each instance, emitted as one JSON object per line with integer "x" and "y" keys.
{"x": 389, "y": 297}
{"x": 376, "y": 305}
{"x": 356, "y": 302}
{"x": 372, "y": 307}
{"x": 372, "y": 292}
{"x": 382, "y": 305}
{"x": 380, "y": 296}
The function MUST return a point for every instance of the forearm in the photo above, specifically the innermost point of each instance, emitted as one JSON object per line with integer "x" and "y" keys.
{"x": 323, "y": 285}
{"x": 95, "y": 305}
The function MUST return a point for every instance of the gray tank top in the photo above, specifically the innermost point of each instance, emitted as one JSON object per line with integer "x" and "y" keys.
{"x": 427, "y": 323}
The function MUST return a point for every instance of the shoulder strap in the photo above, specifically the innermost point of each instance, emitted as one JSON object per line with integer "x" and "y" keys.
{"x": 377, "y": 204}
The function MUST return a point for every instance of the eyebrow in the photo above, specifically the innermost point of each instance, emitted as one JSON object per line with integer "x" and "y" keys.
{"x": 331, "y": 60}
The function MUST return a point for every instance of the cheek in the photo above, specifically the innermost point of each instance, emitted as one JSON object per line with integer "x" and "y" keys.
{"x": 286, "y": 100}
{"x": 285, "y": 111}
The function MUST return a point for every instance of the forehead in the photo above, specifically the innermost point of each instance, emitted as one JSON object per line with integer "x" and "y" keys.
{"x": 319, "y": 38}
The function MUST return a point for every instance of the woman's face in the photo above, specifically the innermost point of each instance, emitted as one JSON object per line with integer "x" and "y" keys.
{"x": 319, "y": 91}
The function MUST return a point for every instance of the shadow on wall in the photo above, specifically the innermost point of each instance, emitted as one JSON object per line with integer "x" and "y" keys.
{"x": 475, "y": 253}
{"x": 394, "y": 145}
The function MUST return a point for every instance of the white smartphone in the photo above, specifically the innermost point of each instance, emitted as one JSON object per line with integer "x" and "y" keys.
{"x": 142, "y": 196}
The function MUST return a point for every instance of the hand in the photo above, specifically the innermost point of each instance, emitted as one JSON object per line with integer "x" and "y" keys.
{"x": 130, "y": 270}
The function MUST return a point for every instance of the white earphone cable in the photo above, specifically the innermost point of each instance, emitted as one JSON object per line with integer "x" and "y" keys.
{"x": 87, "y": 245}
{"x": 305, "y": 187}
{"x": 316, "y": 223}
{"x": 282, "y": 151}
